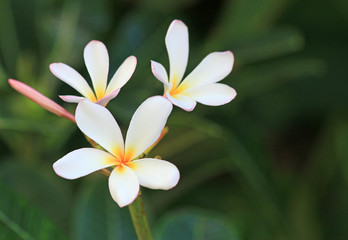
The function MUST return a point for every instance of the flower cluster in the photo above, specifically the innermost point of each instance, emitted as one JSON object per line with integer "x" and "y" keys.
{"x": 125, "y": 156}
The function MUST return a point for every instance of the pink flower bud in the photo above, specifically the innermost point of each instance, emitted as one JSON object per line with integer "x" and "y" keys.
{"x": 40, "y": 99}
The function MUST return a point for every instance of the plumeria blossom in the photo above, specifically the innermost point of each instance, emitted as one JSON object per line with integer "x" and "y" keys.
{"x": 145, "y": 128}
{"x": 97, "y": 62}
{"x": 201, "y": 84}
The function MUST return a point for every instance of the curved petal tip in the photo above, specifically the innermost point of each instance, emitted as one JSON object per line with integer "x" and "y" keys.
{"x": 176, "y": 22}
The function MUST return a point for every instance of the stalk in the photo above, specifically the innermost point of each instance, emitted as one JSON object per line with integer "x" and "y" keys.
{"x": 139, "y": 219}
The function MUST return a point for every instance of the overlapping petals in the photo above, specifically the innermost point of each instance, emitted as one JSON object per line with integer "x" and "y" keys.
{"x": 145, "y": 128}
{"x": 201, "y": 84}
{"x": 97, "y": 62}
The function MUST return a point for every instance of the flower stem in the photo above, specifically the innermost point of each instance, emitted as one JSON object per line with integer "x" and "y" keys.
{"x": 139, "y": 219}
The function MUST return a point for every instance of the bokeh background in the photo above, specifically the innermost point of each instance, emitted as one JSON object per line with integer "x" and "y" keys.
{"x": 272, "y": 164}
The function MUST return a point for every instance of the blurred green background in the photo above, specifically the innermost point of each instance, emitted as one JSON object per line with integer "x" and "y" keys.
{"x": 272, "y": 164}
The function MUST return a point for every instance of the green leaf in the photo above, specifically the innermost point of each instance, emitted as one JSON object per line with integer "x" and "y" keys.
{"x": 14, "y": 124}
{"x": 194, "y": 225}
{"x": 341, "y": 144}
{"x": 99, "y": 217}
{"x": 255, "y": 183}
{"x": 3, "y": 76}
{"x": 39, "y": 186}
{"x": 7, "y": 233}
{"x": 168, "y": 6}
{"x": 9, "y": 45}
{"x": 275, "y": 43}
{"x": 19, "y": 220}
{"x": 190, "y": 180}
{"x": 255, "y": 80}
{"x": 244, "y": 18}
{"x": 63, "y": 45}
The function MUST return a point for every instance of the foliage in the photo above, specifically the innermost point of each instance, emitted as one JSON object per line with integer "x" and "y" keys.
{"x": 272, "y": 164}
{"x": 19, "y": 220}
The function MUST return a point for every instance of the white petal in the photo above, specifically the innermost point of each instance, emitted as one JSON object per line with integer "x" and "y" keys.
{"x": 97, "y": 62}
{"x": 82, "y": 162}
{"x": 181, "y": 101}
{"x": 71, "y": 99}
{"x": 122, "y": 75}
{"x": 104, "y": 101}
{"x": 72, "y": 78}
{"x": 97, "y": 123}
{"x": 160, "y": 72}
{"x": 213, "y": 94}
{"x": 156, "y": 174}
{"x": 177, "y": 42}
{"x": 146, "y": 125}
{"x": 123, "y": 185}
{"x": 213, "y": 68}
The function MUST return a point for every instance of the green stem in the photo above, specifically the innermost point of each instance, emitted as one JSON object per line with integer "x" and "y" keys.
{"x": 136, "y": 209}
{"x": 139, "y": 219}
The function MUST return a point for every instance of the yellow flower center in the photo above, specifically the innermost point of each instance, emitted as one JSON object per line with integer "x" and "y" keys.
{"x": 173, "y": 91}
{"x": 177, "y": 87}
{"x": 92, "y": 97}
{"x": 100, "y": 92}
{"x": 122, "y": 159}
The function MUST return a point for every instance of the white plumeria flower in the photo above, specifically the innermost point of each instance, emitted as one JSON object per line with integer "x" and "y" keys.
{"x": 144, "y": 129}
{"x": 200, "y": 85}
{"x": 97, "y": 62}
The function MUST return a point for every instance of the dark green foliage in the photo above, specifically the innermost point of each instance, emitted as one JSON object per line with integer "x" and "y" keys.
{"x": 19, "y": 220}
{"x": 194, "y": 225}
{"x": 272, "y": 164}
{"x": 98, "y": 217}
